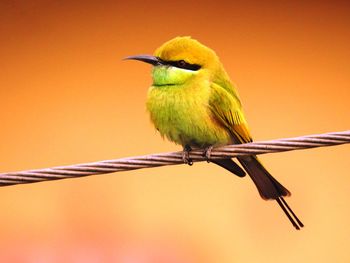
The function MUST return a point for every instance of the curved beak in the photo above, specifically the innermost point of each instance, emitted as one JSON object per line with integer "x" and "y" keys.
{"x": 146, "y": 58}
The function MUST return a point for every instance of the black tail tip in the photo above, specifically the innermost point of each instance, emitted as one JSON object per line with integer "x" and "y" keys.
{"x": 289, "y": 213}
{"x": 298, "y": 227}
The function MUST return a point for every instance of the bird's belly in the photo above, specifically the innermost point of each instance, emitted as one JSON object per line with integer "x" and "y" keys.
{"x": 185, "y": 118}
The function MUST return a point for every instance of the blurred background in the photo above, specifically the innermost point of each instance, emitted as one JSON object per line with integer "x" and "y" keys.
{"x": 67, "y": 97}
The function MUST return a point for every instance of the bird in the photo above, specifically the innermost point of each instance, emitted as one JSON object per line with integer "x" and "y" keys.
{"x": 192, "y": 102}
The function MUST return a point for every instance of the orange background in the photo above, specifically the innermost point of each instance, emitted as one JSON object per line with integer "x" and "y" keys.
{"x": 67, "y": 97}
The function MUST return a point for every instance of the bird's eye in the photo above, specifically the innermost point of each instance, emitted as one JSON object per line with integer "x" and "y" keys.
{"x": 182, "y": 63}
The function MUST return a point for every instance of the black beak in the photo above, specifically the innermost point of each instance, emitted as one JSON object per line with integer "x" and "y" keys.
{"x": 146, "y": 58}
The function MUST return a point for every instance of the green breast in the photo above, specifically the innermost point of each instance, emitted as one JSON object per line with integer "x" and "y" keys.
{"x": 181, "y": 114}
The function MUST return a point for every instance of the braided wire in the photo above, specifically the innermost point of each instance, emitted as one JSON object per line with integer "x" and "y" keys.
{"x": 172, "y": 158}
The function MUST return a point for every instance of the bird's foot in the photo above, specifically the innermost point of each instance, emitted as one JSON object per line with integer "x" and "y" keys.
{"x": 186, "y": 155}
{"x": 207, "y": 153}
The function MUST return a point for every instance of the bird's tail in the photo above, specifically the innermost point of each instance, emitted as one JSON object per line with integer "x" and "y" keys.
{"x": 231, "y": 166}
{"x": 269, "y": 187}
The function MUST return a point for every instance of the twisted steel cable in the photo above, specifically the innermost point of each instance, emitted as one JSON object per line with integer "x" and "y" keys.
{"x": 162, "y": 159}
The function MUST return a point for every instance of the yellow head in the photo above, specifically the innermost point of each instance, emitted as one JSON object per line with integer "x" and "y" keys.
{"x": 187, "y": 49}
{"x": 180, "y": 61}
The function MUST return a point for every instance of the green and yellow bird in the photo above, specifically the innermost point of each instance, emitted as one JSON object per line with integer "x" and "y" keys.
{"x": 193, "y": 102}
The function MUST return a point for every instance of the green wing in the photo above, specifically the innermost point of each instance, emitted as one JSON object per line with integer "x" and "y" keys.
{"x": 227, "y": 110}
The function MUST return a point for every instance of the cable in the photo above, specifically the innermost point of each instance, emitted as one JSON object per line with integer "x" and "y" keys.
{"x": 162, "y": 159}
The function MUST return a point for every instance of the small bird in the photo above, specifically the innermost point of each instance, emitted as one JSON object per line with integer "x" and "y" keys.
{"x": 192, "y": 102}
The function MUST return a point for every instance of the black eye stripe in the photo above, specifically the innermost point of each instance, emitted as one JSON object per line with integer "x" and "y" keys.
{"x": 182, "y": 64}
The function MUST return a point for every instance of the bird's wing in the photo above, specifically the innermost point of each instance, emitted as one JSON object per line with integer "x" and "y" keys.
{"x": 227, "y": 110}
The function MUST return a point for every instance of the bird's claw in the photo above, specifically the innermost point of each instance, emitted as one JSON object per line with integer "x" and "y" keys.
{"x": 207, "y": 153}
{"x": 186, "y": 155}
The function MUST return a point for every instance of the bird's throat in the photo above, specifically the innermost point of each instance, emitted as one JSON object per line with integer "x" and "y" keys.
{"x": 170, "y": 76}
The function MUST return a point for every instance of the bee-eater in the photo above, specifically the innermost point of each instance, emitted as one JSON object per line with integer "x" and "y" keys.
{"x": 193, "y": 102}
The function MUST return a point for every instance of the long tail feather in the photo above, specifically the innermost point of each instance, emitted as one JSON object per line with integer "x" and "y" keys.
{"x": 231, "y": 166}
{"x": 269, "y": 187}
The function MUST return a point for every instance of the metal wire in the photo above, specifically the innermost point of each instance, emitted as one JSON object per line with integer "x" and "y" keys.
{"x": 162, "y": 159}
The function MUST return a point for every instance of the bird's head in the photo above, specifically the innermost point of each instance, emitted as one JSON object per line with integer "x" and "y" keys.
{"x": 180, "y": 61}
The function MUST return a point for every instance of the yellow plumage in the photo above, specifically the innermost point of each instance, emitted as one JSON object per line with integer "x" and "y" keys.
{"x": 193, "y": 102}
{"x": 203, "y": 108}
